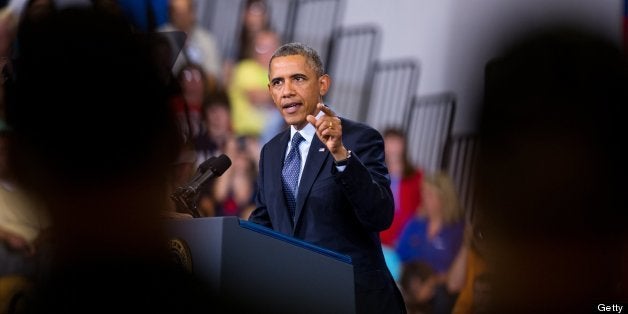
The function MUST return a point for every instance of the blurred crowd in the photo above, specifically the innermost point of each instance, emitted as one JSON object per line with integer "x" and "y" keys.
{"x": 443, "y": 256}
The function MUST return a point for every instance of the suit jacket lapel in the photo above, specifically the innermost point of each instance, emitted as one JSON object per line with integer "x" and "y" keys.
{"x": 276, "y": 169}
{"x": 315, "y": 160}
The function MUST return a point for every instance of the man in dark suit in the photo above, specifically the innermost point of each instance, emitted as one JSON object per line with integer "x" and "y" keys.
{"x": 333, "y": 188}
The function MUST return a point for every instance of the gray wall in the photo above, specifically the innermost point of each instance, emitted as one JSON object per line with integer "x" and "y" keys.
{"x": 453, "y": 39}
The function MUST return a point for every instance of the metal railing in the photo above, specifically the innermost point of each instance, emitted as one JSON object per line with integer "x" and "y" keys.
{"x": 428, "y": 123}
{"x": 351, "y": 58}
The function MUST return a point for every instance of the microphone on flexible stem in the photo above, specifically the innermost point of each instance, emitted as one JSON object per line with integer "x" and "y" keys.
{"x": 213, "y": 167}
{"x": 202, "y": 168}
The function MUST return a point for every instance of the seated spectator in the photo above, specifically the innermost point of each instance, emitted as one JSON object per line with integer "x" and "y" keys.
{"x": 234, "y": 190}
{"x": 22, "y": 220}
{"x": 254, "y": 113}
{"x": 468, "y": 275}
{"x": 255, "y": 18}
{"x": 200, "y": 46}
{"x": 405, "y": 184}
{"x": 232, "y": 193}
{"x": 418, "y": 286}
{"x": 435, "y": 235}
{"x": 216, "y": 130}
{"x": 392, "y": 262}
{"x": 188, "y": 104}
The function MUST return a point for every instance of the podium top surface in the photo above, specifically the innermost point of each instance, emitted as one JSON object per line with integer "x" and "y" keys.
{"x": 280, "y": 236}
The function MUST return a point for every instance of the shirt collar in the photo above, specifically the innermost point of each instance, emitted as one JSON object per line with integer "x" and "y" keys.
{"x": 308, "y": 130}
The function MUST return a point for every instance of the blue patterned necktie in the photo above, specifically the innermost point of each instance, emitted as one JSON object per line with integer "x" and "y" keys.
{"x": 290, "y": 173}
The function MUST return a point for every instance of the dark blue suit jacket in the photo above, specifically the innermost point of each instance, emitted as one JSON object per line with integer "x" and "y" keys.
{"x": 340, "y": 211}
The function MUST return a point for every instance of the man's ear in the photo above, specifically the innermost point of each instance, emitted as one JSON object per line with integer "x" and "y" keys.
{"x": 324, "y": 82}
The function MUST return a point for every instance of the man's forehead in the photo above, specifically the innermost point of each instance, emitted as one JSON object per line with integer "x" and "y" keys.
{"x": 291, "y": 63}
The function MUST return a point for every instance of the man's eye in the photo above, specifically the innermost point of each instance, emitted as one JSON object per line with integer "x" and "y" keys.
{"x": 275, "y": 83}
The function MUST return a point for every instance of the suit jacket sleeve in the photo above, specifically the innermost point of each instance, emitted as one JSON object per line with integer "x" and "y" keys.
{"x": 366, "y": 182}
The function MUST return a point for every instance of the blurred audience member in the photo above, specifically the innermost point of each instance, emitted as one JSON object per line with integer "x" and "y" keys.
{"x": 255, "y": 19}
{"x": 392, "y": 262}
{"x": 216, "y": 129}
{"x": 188, "y": 105}
{"x": 215, "y": 135}
{"x": 551, "y": 173}
{"x": 22, "y": 220}
{"x": 234, "y": 190}
{"x": 435, "y": 235}
{"x": 418, "y": 281}
{"x": 468, "y": 275}
{"x": 232, "y": 193}
{"x": 98, "y": 159}
{"x": 200, "y": 46}
{"x": 254, "y": 113}
{"x": 8, "y": 31}
{"x": 23, "y": 228}
{"x": 405, "y": 183}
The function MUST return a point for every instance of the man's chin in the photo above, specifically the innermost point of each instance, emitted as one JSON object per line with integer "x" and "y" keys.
{"x": 293, "y": 120}
{"x": 298, "y": 124}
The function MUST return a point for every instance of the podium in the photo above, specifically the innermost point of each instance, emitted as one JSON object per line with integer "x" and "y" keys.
{"x": 257, "y": 270}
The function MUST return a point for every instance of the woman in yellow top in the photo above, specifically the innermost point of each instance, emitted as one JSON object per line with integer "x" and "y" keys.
{"x": 253, "y": 111}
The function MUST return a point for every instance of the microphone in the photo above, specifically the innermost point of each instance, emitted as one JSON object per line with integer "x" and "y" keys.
{"x": 202, "y": 168}
{"x": 211, "y": 168}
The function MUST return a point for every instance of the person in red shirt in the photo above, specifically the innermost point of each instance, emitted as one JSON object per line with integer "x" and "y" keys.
{"x": 405, "y": 184}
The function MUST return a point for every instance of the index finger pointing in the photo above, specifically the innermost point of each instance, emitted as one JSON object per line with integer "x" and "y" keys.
{"x": 326, "y": 110}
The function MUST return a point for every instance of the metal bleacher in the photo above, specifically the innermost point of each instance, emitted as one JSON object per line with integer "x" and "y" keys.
{"x": 393, "y": 82}
{"x": 352, "y": 54}
{"x": 460, "y": 158}
{"x": 428, "y": 123}
{"x": 223, "y": 19}
{"x": 308, "y": 21}
{"x": 312, "y": 22}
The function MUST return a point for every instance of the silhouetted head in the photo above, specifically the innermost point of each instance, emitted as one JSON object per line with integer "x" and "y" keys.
{"x": 89, "y": 106}
{"x": 551, "y": 130}
{"x": 551, "y": 169}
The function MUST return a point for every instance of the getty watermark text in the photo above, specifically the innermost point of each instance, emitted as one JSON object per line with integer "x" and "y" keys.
{"x": 615, "y": 308}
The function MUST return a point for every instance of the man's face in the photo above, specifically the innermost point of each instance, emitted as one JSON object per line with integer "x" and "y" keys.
{"x": 296, "y": 88}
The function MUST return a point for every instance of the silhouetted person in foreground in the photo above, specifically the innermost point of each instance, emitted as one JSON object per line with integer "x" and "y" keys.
{"x": 95, "y": 141}
{"x": 552, "y": 172}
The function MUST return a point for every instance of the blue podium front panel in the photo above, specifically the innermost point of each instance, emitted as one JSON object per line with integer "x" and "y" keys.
{"x": 257, "y": 269}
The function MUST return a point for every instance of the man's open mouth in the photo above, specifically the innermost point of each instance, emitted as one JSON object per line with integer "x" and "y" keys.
{"x": 291, "y": 107}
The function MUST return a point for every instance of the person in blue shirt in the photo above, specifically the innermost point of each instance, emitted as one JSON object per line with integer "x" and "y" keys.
{"x": 434, "y": 236}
